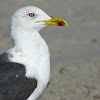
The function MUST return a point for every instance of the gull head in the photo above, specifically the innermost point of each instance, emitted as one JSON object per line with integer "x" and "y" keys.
{"x": 33, "y": 18}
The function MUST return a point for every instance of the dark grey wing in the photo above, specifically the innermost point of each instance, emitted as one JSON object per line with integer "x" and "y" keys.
{"x": 13, "y": 83}
{"x": 4, "y": 57}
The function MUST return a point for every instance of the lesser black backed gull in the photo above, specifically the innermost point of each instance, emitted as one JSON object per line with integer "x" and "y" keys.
{"x": 25, "y": 68}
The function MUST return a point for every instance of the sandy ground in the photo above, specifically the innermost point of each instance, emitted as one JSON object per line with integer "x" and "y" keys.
{"x": 75, "y": 51}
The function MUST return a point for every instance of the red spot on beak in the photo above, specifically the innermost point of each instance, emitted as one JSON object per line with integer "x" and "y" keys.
{"x": 60, "y": 24}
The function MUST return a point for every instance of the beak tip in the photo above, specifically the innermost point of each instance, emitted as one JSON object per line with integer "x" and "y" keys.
{"x": 67, "y": 24}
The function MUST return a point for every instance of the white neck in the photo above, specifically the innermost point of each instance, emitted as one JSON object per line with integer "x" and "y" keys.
{"x": 29, "y": 49}
{"x": 27, "y": 41}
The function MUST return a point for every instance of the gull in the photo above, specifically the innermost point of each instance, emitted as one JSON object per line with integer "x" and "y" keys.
{"x": 25, "y": 68}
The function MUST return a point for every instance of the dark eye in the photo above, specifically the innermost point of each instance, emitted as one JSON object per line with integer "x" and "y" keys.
{"x": 31, "y": 14}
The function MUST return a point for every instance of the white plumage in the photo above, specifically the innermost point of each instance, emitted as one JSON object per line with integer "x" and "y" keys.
{"x": 30, "y": 49}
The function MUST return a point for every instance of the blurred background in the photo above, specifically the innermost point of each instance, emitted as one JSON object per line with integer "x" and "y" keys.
{"x": 75, "y": 51}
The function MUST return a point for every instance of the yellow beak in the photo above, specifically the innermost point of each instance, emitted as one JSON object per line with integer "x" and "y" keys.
{"x": 56, "y": 21}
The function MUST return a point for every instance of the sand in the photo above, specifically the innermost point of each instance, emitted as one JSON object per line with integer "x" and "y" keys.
{"x": 75, "y": 51}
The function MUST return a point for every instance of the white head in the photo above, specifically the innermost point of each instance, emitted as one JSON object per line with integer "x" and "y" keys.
{"x": 31, "y": 17}
{"x": 28, "y": 18}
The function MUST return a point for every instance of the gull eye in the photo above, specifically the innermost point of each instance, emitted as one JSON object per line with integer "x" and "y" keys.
{"x": 31, "y": 14}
